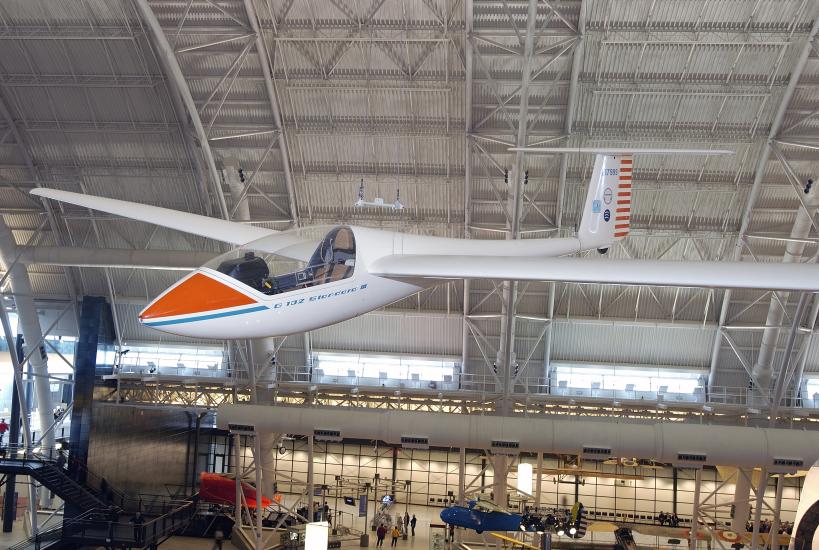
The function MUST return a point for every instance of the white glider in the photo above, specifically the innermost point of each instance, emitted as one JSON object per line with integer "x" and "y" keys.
{"x": 280, "y": 283}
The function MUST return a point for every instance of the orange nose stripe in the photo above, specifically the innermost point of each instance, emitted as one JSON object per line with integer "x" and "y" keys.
{"x": 196, "y": 294}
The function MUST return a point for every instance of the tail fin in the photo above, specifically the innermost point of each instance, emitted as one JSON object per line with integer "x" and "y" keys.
{"x": 607, "y": 212}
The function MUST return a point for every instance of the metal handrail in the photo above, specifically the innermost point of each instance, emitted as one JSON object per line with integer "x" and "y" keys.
{"x": 132, "y": 533}
{"x": 484, "y": 383}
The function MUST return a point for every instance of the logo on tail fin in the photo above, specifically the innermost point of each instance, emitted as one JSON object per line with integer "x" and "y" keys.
{"x": 610, "y": 185}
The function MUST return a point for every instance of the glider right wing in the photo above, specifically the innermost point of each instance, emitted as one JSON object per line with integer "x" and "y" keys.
{"x": 768, "y": 276}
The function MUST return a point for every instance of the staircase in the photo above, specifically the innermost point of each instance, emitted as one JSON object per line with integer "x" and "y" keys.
{"x": 55, "y": 479}
{"x": 103, "y": 520}
{"x": 66, "y": 488}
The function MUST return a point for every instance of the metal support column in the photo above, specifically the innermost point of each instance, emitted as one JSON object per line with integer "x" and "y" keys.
{"x": 742, "y": 503}
{"x": 310, "y": 482}
{"x": 538, "y": 480}
{"x": 237, "y": 472}
{"x": 759, "y": 503}
{"x": 29, "y": 323}
{"x": 261, "y": 50}
{"x": 251, "y": 372}
{"x": 93, "y": 332}
{"x": 257, "y": 462}
{"x": 468, "y": 62}
{"x": 759, "y": 174}
{"x": 774, "y": 533}
{"x": 695, "y": 511}
{"x": 9, "y": 499}
{"x": 500, "y": 475}
{"x": 461, "y": 477}
{"x": 171, "y": 68}
{"x": 21, "y": 410}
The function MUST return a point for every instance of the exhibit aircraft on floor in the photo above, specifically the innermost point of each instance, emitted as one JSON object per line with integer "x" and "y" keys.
{"x": 280, "y": 283}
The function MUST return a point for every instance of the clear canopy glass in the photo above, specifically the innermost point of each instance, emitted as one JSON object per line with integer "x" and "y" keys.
{"x": 333, "y": 260}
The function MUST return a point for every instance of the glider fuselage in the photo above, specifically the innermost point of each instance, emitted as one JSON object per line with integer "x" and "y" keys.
{"x": 239, "y": 294}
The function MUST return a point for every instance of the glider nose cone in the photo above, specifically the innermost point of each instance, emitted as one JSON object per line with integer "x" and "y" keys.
{"x": 197, "y": 293}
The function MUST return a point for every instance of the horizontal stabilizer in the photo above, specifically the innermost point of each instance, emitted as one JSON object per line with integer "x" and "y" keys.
{"x": 768, "y": 276}
{"x": 617, "y": 151}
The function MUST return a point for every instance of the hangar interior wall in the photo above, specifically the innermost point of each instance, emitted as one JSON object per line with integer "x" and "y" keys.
{"x": 434, "y": 473}
{"x": 139, "y": 450}
{"x": 144, "y": 450}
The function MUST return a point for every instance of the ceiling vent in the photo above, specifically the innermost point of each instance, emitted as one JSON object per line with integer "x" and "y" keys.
{"x": 414, "y": 442}
{"x": 327, "y": 435}
{"x": 690, "y": 460}
{"x": 786, "y": 465}
{"x": 242, "y": 429}
{"x": 591, "y": 452}
{"x": 500, "y": 446}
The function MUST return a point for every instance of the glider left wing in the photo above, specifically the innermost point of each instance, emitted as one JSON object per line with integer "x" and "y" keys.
{"x": 284, "y": 243}
{"x": 768, "y": 276}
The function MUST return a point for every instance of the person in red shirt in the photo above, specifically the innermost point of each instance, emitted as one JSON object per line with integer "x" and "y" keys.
{"x": 3, "y": 429}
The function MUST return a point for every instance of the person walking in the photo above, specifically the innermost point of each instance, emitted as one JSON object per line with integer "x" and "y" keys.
{"x": 218, "y": 539}
{"x": 380, "y": 533}
{"x": 395, "y": 534}
{"x": 138, "y": 522}
{"x": 413, "y": 521}
{"x": 406, "y": 521}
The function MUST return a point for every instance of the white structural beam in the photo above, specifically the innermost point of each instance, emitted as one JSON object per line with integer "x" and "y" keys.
{"x": 738, "y": 445}
{"x": 510, "y": 288}
{"x": 270, "y": 88}
{"x": 759, "y": 174}
{"x": 568, "y": 127}
{"x": 29, "y": 322}
{"x": 695, "y": 509}
{"x": 468, "y": 61}
{"x": 175, "y": 77}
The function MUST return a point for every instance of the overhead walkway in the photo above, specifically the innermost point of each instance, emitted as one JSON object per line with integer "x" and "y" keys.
{"x": 466, "y": 394}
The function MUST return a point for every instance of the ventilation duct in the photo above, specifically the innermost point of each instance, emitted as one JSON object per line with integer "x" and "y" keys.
{"x": 666, "y": 442}
{"x": 763, "y": 367}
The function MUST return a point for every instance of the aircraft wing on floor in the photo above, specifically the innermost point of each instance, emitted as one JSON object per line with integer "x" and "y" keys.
{"x": 768, "y": 276}
{"x": 284, "y": 243}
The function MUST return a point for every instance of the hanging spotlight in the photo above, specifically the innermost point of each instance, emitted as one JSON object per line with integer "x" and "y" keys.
{"x": 573, "y": 530}
{"x": 560, "y": 532}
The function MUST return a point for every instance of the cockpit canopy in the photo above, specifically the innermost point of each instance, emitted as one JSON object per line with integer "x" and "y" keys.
{"x": 333, "y": 260}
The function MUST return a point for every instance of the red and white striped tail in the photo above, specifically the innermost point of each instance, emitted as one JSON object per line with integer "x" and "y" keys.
{"x": 622, "y": 214}
{"x": 607, "y": 211}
